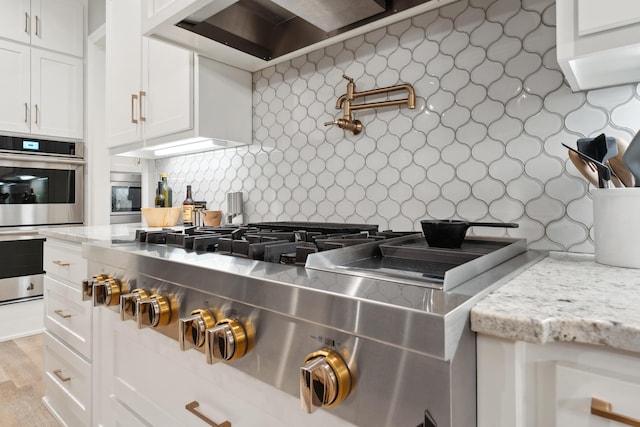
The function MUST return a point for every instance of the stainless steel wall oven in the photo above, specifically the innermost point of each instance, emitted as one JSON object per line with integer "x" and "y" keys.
{"x": 41, "y": 182}
{"x": 126, "y": 197}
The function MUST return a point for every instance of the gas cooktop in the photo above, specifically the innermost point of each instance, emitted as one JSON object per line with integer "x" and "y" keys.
{"x": 352, "y": 249}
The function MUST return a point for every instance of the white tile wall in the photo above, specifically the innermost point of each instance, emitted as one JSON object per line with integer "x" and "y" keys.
{"x": 482, "y": 144}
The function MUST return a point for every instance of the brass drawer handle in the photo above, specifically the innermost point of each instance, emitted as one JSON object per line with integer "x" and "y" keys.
{"x": 37, "y": 26}
{"x": 603, "y": 409}
{"x": 142, "y": 94}
{"x": 62, "y": 263}
{"x": 58, "y": 373}
{"x": 26, "y": 22}
{"x": 61, "y": 314}
{"x": 133, "y": 104}
{"x": 191, "y": 407}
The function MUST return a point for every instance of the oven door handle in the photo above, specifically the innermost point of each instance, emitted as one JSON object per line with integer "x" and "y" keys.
{"x": 41, "y": 158}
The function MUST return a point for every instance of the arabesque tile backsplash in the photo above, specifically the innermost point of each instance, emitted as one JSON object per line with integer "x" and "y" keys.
{"x": 482, "y": 144}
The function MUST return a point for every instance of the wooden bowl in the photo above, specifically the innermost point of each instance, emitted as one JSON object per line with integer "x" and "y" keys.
{"x": 161, "y": 217}
{"x": 212, "y": 218}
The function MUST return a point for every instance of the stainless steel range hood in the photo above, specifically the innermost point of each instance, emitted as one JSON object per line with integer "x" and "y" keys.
{"x": 253, "y": 34}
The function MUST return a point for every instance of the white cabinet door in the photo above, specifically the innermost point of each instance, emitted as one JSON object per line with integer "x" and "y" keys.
{"x": 15, "y": 20}
{"x": 58, "y": 25}
{"x": 56, "y": 94}
{"x": 123, "y": 63}
{"x": 14, "y": 86}
{"x": 168, "y": 82}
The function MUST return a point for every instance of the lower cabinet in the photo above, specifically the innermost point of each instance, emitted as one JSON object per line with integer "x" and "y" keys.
{"x": 67, "y": 380}
{"x": 68, "y": 336}
{"x": 144, "y": 379}
{"x": 555, "y": 384}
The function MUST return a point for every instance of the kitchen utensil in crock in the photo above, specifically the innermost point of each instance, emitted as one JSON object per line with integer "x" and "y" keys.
{"x": 631, "y": 158}
{"x": 450, "y": 233}
{"x": 601, "y": 148}
{"x": 604, "y": 173}
{"x": 618, "y": 167}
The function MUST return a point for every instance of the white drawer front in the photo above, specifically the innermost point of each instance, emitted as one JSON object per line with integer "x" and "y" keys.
{"x": 67, "y": 316}
{"x": 576, "y": 387}
{"x": 67, "y": 379}
{"x": 64, "y": 260}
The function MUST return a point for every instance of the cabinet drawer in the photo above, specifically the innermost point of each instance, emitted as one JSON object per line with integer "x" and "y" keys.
{"x": 67, "y": 316}
{"x": 64, "y": 260}
{"x": 67, "y": 382}
{"x": 575, "y": 387}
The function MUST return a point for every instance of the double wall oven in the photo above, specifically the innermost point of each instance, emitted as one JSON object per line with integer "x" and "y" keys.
{"x": 41, "y": 184}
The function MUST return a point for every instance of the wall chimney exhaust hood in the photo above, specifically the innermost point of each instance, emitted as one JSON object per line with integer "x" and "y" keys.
{"x": 255, "y": 34}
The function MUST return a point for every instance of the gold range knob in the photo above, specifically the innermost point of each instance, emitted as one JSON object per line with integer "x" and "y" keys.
{"x": 228, "y": 340}
{"x": 87, "y": 286}
{"x": 154, "y": 311}
{"x": 325, "y": 380}
{"x": 192, "y": 330}
{"x": 129, "y": 303}
{"x": 107, "y": 292}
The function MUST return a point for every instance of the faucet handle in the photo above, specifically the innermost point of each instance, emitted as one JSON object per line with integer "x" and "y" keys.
{"x": 344, "y": 76}
{"x": 333, "y": 122}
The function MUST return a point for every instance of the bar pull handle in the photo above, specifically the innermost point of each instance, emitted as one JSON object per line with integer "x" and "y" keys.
{"x": 61, "y": 263}
{"x": 133, "y": 103}
{"x": 142, "y": 118}
{"x": 603, "y": 409}
{"x": 26, "y": 112}
{"x": 36, "y": 113}
{"x": 192, "y": 407}
{"x": 26, "y": 22}
{"x": 61, "y": 314}
{"x": 58, "y": 373}
{"x": 37, "y": 26}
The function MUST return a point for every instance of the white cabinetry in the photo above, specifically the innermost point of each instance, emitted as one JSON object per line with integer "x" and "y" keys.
{"x": 598, "y": 43}
{"x": 42, "y": 67}
{"x": 68, "y": 334}
{"x": 546, "y": 385}
{"x": 158, "y": 94}
{"x": 54, "y": 25}
{"x": 146, "y": 380}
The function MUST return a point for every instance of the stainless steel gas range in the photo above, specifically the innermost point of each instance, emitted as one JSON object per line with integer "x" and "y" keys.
{"x": 370, "y": 326}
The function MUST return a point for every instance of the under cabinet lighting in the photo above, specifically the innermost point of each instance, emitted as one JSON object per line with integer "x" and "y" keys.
{"x": 186, "y": 148}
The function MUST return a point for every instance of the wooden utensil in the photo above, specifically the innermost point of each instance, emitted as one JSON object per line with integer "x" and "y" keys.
{"x": 618, "y": 166}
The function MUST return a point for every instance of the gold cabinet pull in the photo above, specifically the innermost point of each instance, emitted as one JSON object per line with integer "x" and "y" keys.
{"x": 58, "y": 373}
{"x": 61, "y": 263}
{"x": 36, "y": 113}
{"x": 37, "y": 26}
{"x": 26, "y": 22}
{"x": 142, "y": 118}
{"x": 603, "y": 409}
{"x": 61, "y": 314}
{"x": 133, "y": 104}
{"x": 191, "y": 407}
{"x": 26, "y": 112}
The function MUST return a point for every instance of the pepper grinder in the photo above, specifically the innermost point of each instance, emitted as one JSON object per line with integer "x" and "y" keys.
{"x": 235, "y": 208}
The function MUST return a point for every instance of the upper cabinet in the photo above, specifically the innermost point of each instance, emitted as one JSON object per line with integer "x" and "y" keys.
{"x": 164, "y": 100}
{"x": 598, "y": 43}
{"x": 41, "y": 49}
{"x": 54, "y": 25}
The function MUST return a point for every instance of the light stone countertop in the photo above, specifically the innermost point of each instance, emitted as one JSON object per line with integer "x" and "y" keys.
{"x": 565, "y": 297}
{"x": 81, "y": 234}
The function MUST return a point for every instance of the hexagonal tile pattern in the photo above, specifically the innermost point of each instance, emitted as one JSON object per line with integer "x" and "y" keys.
{"x": 482, "y": 144}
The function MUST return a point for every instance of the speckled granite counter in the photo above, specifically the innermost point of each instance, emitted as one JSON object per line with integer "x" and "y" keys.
{"x": 91, "y": 233}
{"x": 565, "y": 297}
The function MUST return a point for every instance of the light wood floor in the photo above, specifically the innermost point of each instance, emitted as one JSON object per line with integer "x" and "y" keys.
{"x": 21, "y": 386}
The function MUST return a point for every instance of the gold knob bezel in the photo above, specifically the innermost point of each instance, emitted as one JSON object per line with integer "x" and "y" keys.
{"x": 241, "y": 339}
{"x": 112, "y": 289}
{"x": 207, "y": 319}
{"x": 341, "y": 371}
{"x": 160, "y": 310}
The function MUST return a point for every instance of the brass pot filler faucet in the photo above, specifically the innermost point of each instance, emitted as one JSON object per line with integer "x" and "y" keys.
{"x": 347, "y": 122}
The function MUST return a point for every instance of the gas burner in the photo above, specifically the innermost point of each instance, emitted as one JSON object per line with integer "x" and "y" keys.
{"x": 276, "y": 242}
